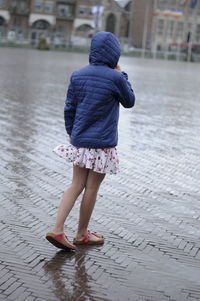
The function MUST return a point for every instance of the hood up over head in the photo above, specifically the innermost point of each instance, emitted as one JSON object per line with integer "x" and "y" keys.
{"x": 105, "y": 49}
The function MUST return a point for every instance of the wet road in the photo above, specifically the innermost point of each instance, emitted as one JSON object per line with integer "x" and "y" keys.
{"x": 149, "y": 212}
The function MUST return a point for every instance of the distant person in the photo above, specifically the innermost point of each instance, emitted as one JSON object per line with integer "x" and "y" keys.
{"x": 91, "y": 116}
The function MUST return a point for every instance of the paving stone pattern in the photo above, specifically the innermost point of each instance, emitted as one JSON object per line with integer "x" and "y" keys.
{"x": 149, "y": 212}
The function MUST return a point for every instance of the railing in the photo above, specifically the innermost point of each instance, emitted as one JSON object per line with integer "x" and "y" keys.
{"x": 81, "y": 44}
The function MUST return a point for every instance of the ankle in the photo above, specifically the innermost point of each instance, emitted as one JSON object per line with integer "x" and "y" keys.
{"x": 82, "y": 233}
{"x": 57, "y": 230}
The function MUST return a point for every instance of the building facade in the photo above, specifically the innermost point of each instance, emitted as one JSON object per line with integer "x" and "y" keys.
{"x": 162, "y": 24}
{"x": 141, "y": 23}
{"x": 32, "y": 19}
{"x": 59, "y": 20}
{"x": 117, "y": 17}
{"x": 106, "y": 15}
{"x": 175, "y": 22}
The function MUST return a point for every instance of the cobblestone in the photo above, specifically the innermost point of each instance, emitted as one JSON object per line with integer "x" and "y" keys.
{"x": 149, "y": 212}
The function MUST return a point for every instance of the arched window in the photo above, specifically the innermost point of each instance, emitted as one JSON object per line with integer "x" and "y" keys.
{"x": 110, "y": 23}
{"x": 41, "y": 24}
{"x": 84, "y": 28}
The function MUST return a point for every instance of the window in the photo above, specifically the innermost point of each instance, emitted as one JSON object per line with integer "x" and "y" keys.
{"x": 23, "y": 5}
{"x": 60, "y": 28}
{"x": 160, "y": 27}
{"x": 110, "y": 23}
{"x": 84, "y": 28}
{"x": 85, "y": 11}
{"x": 90, "y": 12}
{"x": 189, "y": 26}
{"x": 65, "y": 10}
{"x": 171, "y": 28}
{"x": 172, "y": 4}
{"x": 48, "y": 7}
{"x": 20, "y": 34}
{"x": 14, "y": 3}
{"x": 162, "y": 4}
{"x": 16, "y": 22}
{"x": 179, "y": 32}
{"x": 41, "y": 24}
{"x": 198, "y": 33}
{"x": 82, "y": 10}
{"x": 38, "y": 5}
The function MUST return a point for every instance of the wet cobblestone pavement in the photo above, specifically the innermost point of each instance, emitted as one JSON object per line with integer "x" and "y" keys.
{"x": 149, "y": 212}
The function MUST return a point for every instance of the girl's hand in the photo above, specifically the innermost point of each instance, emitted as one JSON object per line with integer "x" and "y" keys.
{"x": 118, "y": 68}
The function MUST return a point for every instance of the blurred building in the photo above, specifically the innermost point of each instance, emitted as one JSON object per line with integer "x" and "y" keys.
{"x": 84, "y": 20}
{"x": 116, "y": 17}
{"x": 32, "y": 19}
{"x": 53, "y": 19}
{"x": 58, "y": 20}
{"x": 160, "y": 24}
{"x": 141, "y": 23}
{"x": 150, "y": 24}
{"x": 175, "y": 22}
{"x": 106, "y": 15}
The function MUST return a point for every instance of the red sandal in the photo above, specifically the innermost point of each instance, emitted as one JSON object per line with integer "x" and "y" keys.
{"x": 87, "y": 240}
{"x": 60, "y": 241}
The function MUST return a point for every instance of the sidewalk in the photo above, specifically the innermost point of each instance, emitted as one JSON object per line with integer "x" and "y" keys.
{"x": 149, "y": 212}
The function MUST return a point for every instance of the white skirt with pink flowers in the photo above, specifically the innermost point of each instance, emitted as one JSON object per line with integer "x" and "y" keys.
{"x": 99, "y": 160}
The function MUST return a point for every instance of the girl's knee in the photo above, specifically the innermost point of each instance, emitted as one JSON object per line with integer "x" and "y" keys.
{"x": 91, "y": 189}
{"x": 78, "y": 187}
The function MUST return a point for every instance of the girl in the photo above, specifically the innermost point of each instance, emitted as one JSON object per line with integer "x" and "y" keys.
{"x": 91, "y": 118}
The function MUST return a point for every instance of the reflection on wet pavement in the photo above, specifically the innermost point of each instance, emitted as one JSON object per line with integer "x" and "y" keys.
{"x": 69, "y": 276}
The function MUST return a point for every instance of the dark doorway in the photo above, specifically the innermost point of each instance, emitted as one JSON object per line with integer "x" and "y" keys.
{"x": 110, "y": 23}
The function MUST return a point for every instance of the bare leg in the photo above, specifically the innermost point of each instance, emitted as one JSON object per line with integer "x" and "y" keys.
{"x": 69, "y": 197}
{"x": 93, "y": 183}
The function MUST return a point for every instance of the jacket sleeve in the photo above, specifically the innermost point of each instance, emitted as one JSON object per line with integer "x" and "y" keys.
{"x": 125, "y": 93}
{"x": 69, "y": 109}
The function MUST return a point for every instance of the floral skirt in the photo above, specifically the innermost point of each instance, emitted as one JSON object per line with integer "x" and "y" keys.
{"x": 99, "y": 160}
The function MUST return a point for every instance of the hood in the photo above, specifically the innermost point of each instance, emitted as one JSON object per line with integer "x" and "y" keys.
{"x": 105, "y": 49}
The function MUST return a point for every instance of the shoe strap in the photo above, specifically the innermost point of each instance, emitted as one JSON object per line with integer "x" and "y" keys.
{"x": 59, "y": 236}
{"x": 92, "y": 233}
{"x": 85, "y": 239}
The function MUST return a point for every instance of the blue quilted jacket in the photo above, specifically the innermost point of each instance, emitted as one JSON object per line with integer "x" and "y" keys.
{"x": 92, "y": 105}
